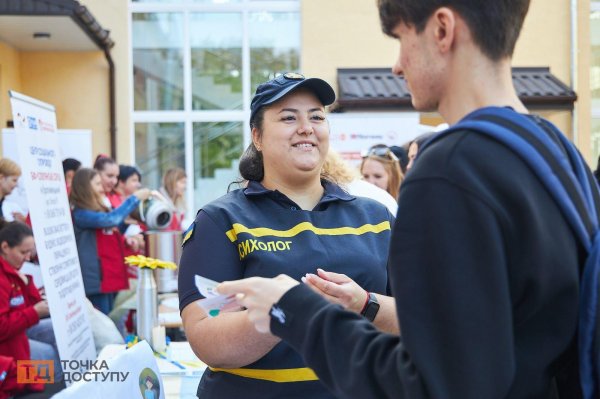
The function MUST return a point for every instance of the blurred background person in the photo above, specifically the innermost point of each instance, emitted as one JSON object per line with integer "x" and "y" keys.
{"x": 350, "y": 180}
{"x": 26, "y": 331}
{"x": 10, "y": 172}
{"x": 98, "y": 234}
{"x": 70, "y": 166}
{"x": 174, "y": 184}
{"x": 129, "y": 181}
{"x": 402, "y": 154}
{"x": 413, "y": 148}
{"x": 108, "y": 170}
{"x": 382, "y": 168}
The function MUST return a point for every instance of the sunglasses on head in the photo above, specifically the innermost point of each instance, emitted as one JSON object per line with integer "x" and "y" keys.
{"x": 382, "y": 152}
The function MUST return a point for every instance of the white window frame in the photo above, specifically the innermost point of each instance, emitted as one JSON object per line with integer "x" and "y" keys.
{"x": 187, "y": 115}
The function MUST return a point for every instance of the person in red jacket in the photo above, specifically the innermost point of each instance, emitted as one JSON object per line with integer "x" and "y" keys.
{"x": 99, "y": 236}
{"x": 108, "y": 170}
{"x": 21, "y": 306}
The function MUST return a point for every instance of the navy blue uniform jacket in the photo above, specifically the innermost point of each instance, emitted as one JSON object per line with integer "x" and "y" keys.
{"x": 259, "y": 232}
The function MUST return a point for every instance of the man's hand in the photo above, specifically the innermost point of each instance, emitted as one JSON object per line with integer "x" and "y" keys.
{"x": 258, "y": 295}
{"x": 337, "y": 288}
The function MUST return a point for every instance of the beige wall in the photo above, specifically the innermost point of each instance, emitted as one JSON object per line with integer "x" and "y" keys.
{"x": 343, "y": 34}
{"x": 76, "y": 83}
{"x": 10, "y": 79}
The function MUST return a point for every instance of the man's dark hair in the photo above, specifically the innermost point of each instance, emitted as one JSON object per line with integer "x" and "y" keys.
{"x": 70, "y": 164}
{"x": 494, "y": 24}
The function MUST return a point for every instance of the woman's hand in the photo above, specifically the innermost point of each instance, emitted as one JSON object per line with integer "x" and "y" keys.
{"x": 156, "y": 194}
{"x": 42, "y": 309}
{"x": 143, "y": 194}
{"x": 337, "y": 288}
{"x": 135, "y": 242}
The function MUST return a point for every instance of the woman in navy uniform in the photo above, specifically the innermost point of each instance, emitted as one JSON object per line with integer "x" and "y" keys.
{"x": 288, "y": 219}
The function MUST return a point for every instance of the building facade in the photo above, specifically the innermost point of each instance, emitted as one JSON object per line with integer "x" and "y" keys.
{"x": 185, "y": 71}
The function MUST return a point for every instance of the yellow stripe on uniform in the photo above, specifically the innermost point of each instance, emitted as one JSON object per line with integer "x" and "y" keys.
{"x": 277, "y": 375}
{"x": 188, "y": 233}
{"x": 306, "y": 226}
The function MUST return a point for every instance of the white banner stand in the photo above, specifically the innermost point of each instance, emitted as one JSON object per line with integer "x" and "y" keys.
{"x": 44, "y": 182}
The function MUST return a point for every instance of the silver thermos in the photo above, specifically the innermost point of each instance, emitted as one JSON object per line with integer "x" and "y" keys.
{"x": 164, "y": 245}
{"x": 147, "y": 305}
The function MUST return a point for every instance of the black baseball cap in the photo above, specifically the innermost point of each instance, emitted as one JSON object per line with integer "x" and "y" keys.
{"x": 271, "y": 91}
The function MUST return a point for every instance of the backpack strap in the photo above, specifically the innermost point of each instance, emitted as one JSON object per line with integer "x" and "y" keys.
{"x": 563, "y": 172}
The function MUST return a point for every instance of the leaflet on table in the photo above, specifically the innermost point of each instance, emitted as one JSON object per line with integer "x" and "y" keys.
{"x": 214, "y": 303}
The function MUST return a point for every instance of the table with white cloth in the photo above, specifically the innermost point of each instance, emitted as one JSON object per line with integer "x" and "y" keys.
{"x": 180, "y": 373}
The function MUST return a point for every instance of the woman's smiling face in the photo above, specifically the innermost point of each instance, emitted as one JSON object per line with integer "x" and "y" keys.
{"x": 295, "y": 135}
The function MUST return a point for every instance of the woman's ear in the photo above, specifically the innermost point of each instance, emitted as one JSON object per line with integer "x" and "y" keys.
{"x": 4, "y": 247}
{"x": 256, "y": 139}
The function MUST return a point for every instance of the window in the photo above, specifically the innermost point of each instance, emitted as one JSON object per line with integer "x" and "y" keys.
{"x": 159, "y": 146}
{"x": 157, "y": 61}
{"x": 196, "y": 64}
{"x": 216, "y": 60}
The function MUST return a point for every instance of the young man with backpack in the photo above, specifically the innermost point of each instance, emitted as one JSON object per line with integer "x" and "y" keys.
{"x": 495, "y": 224}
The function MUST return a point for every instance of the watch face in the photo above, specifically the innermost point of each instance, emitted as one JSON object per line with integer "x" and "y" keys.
{"x": 372, "y": 308}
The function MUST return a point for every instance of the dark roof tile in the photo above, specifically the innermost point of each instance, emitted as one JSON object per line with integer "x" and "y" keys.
{"x": 379, "y": 88}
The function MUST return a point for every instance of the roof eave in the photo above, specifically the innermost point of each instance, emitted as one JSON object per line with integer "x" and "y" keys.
{"x": 61, "y": 8}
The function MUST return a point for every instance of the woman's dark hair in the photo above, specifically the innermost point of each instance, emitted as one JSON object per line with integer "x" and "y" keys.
{"x": 251, "y": 162}
{"x": 494, "y": 24}
{"x": 402, "y": 155}
{"x": 126, "y": 171}
{"x": 103, "y": 160}
{"x": 14, "y": 232}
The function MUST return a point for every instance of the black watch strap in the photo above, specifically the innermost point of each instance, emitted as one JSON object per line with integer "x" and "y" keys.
{"x": 372, "y": 308}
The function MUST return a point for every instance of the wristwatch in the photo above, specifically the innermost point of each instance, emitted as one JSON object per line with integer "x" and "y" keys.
{"x": 371, "y": 308}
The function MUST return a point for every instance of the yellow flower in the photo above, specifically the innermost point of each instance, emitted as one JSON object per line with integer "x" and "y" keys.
{"x": 144, "y": 261}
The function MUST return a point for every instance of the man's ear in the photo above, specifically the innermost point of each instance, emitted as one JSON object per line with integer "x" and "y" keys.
{"x": 444, "y": 28}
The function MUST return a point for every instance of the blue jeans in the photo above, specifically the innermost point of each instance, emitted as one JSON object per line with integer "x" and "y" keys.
{"x": 103, "y": 302}
{"x": 42, "y": 345}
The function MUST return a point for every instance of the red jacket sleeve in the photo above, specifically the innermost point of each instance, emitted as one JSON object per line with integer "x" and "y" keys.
{"x": 32, "y": 294}
{"x": 14, "y": 321}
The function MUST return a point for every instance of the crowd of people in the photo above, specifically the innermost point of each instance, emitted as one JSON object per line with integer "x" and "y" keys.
{"x": 105, "y": 199}
{"x": 104, "y": 202}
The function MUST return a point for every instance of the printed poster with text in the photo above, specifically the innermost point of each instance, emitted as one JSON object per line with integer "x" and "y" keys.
{"x": 43, "y": 179}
